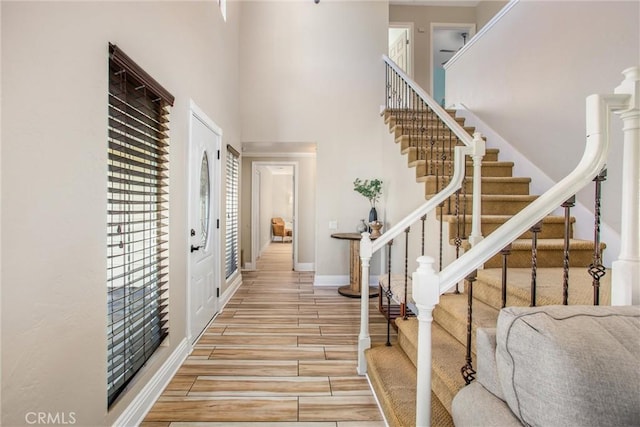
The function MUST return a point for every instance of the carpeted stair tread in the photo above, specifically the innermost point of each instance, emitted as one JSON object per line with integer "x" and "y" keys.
{"x": 393, "y": 378}
{"x": 488, "y": 287}
{"x": 397, "y": 287}
{"x": 414, "y": 154}
{"x": 552, "y": 226}
{"x": 507, "y": 185}
{"x": 426, "y": 168}
{"x": 451, "y": 314}
{"x": 550, "y": 253}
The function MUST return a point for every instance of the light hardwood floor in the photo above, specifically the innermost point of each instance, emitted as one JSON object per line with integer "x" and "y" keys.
{"x": 281, "y": 353}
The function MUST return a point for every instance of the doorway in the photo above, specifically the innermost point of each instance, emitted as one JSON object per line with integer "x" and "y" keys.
{"x": 401, "y": 45}
{"x": 203, "y": 210}
{"x": 274, "y": 194}
{"x": 446, "y": 41}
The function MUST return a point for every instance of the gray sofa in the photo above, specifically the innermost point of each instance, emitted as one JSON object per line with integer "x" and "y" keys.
{"x": 555, "y": 366}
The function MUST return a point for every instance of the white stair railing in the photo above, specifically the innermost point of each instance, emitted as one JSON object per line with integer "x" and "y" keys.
{"x": 429, "y": 285}
{"x": 474, "y": 146}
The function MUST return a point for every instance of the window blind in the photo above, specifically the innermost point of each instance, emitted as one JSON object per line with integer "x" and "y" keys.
{"x": 233, "y": 211}
{"x": 137, "y": 232}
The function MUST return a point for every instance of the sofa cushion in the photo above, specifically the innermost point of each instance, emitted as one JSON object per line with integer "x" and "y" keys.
{"x": 474, "y": 405}
{"x": 486, "y": 357}
{"x": 571, "y": 365}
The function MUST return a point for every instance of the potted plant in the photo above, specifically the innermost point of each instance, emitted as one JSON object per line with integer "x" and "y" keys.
{"x": 372, "y": 190}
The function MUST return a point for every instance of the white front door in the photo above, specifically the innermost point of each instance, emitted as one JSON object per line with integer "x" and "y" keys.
{"x": 203, "y": 223}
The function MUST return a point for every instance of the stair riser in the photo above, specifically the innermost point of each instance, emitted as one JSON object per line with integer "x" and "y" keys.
{"x": 502, "y": 207}
{"x": 545, "y": 258}
{"x": 518, "y": 188}
{"x": 488, "y": 169}
{"x": 413, "y": 154}
{"x": 418, "y": 121}
{"x": 432, "y": 132}
{"x": 440, "y": 144}
{"x": 408, "y": 347}
{"x": 456, "y": 327}
{"x": 549, "y": 231}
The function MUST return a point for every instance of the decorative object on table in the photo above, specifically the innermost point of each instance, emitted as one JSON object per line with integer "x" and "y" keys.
{"x": 375, "y": 229}
{"x": 372, "y": 190}
{"x": 362, "y": 227}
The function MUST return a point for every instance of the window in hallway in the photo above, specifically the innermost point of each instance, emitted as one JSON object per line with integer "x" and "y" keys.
{"x": 137, "y": 232}
{"x": 233, "y": 211}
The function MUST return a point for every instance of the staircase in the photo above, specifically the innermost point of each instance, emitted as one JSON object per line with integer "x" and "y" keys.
{"x": 392, "y": 369}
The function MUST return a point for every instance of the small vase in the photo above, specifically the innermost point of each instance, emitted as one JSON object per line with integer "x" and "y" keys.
{"x": 373, "y": 214}
{"x": 362, "y": 227}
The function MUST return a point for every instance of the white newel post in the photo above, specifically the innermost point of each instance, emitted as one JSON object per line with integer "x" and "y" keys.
{"x": 625, "y": 271}
{"x": 479, "y": 149}
{"x": 364, "y": 340}
{"x": 426, "y": 293}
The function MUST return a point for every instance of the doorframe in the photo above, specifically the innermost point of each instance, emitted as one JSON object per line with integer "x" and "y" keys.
{"x": 471, "y": 29}
{"x": 255, "y": 208}
{"x": 197, "y": 113}
{"x": 411, "y": 37}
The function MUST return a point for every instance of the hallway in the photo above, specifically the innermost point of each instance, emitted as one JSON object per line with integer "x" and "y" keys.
{"x": 281, "y": 353}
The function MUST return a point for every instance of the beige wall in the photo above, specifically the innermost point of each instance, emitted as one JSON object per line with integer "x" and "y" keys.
{"x": 314, "y": 73}
{"x": 54, "y": 167}
{"x": 423, "y": 17}
{"x": 306, "y": 205}
{"x": 528, "y": 78}
{"x": 485, "y": 10}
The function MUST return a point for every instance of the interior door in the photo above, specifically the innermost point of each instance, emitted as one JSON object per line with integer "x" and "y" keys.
{"x": 398, "y": 51}
{"x": 203, "y": 231}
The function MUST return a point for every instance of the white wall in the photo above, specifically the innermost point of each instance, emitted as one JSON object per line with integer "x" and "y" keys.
{"x": 266, "y": 206}
{"x": 54, "y": 179}
{"x": 423, "y": 17}
{"x": 282, "y": 197}
{"x": 528, "y": 78}
{"x": 314, "y": 73}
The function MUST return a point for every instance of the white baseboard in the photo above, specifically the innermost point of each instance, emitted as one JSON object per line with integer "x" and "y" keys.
{"x": 541, "y": 182}
{"x": 327, "y": 280}
{"x": 249, "y": 266}
{"x": 142, "y": 403}
{"x": 305, "y": 266}
{"x": 233, "y": 287}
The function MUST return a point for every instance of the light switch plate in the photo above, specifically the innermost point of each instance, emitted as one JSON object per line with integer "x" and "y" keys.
{"x": 333, "y": 225}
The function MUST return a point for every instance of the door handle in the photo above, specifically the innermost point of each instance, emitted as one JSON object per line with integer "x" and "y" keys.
{"x": 195, "y": 248}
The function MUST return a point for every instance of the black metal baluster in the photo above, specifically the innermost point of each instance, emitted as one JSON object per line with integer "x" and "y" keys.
{"x": 505, "y": 261}
{"x": 596, "y": 269}
{"x": 534, "y": 261}
{"x": 468, "y": 373}
{"x": 388, "y": 295}
{"x": 406, "y": 271}
{"x": 567, "y": 237}
{"x": 458, "y": 238}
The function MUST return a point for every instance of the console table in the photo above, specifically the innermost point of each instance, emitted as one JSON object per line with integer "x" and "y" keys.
{"x": 352, "y": 290}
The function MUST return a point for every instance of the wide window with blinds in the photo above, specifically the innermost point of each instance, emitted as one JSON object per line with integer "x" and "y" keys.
{"x": 137, "y": 232}
{"x": 233, "y": 211}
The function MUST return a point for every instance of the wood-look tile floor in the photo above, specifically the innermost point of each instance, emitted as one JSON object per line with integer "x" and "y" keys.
{"x": 281, "y": 353}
